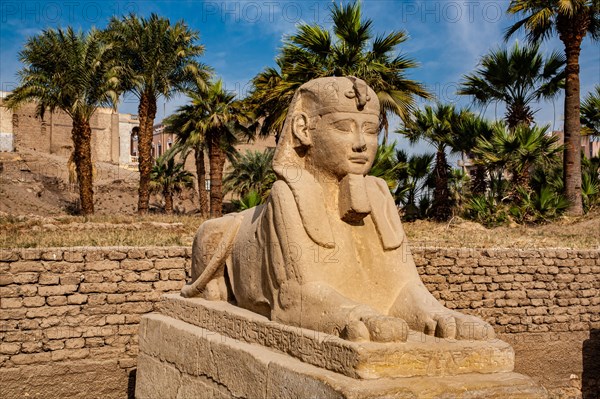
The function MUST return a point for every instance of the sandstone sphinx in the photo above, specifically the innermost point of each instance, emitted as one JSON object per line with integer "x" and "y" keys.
{"x": 327, "y": 251}
{"x": 315, "y": 293}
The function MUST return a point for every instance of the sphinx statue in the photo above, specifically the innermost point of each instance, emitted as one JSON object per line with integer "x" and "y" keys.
{"x": 327, "y": 250}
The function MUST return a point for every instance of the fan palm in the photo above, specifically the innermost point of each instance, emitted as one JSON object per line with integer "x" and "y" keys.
{"x": 572, "y": 20}
{"x": 158, "y": 59}
{"x": 438, "y": 127}
{"x": 517, "y": 78}
{"x": 468, "y": 131}
{"x": 590, "y": 113}
{"x": 314, "y": 52}
{"x": 518, "y": 151}
{"x": 250, "y": 172}
{"x": 70, "y": 71}
{"x": 169, "y": 177}
{"x": 414, "y": 177}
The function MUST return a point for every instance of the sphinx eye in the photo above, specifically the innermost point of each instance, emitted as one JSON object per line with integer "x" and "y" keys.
{"x": 343, "y": 125}
{"x": 370, "y": 128}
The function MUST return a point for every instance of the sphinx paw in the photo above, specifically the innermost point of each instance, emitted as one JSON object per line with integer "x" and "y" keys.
{"x": 454, "y": 325}
{"x": 473, "y": 328}
{"x": 386, "y": 329}
{"x": 355, "y": 331}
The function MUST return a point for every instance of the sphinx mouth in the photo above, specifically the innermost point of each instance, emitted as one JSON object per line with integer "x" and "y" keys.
{"x": 359, "y": 159}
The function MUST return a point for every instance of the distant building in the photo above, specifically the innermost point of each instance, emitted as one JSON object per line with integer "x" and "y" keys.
{"x": 112, "y": 133}
{"x": 161, "y": 140}
{"x": 589, "y": 147}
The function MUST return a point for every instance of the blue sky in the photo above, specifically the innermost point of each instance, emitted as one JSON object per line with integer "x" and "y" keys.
{"x": 241, "y": 38}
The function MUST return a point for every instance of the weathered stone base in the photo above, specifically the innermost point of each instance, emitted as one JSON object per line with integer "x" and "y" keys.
{"x": 181, "y": 360}
{"x": 421, "y": 355}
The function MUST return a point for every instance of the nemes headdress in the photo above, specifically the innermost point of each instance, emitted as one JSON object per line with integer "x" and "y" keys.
{"x": 316, "y": 98}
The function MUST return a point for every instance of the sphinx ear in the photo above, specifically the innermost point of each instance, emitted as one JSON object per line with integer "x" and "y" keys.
{"x": 300, "y": 128}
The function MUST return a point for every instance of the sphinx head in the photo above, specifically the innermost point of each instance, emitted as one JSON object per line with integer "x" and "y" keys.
{"x": 332, "y": 127}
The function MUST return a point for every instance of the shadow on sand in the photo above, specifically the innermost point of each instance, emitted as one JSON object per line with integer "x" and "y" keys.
{"x": 131, "y": 384}
{"x": 590, "y": 379}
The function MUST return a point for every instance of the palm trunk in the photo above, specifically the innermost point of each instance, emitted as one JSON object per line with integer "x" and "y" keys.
{"x": 201, "y": 174}
{"x": 441, "y": 209}
{"x": 217, "y": 162}
{"x": 81, "y": 134}
{"x": 168, "y": 201}
{"x": 572, "y": 128}
{"x": 147, "y": 112}
{"x": 571, "y": 31}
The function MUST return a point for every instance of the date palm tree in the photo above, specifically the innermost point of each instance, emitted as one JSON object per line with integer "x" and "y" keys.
{"x": 349, "y": 49}
{"x": 438, "y": 127}
{"x": 386, "y": 165}
{"x": 515, "y": 77}
{"x": 572, "y": 20}
{"x": 158, "y": 59}
{"x": 71, "y": 71}
{"x": 169, "y": 178}
{"x": 222, "y": 121}
{"x": 185, "y": 123}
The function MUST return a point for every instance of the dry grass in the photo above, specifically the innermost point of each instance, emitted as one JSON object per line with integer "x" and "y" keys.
{"x": 160, "y": 230}
{"x": 72, "y": 231}
{"x": 581, "y": 233}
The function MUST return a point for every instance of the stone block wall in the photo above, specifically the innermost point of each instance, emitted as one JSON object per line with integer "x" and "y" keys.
{"x": 517, "y": 290}
{"x": 73, "y": 314}
{"x": 69, "y": 317}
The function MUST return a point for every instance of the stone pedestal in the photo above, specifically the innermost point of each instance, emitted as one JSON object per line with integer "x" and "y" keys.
{"x": 200, "y": 349}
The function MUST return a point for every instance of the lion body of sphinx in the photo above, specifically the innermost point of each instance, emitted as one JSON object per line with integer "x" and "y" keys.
{"x": 270, "y": 263}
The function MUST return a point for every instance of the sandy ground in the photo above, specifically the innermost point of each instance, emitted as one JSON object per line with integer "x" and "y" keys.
{"x": 38, "y": 184}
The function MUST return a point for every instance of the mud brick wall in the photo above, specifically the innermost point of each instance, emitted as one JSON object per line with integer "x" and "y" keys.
{"x": 69, "y": 317}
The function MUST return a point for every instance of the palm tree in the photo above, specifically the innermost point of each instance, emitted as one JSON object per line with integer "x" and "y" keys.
{"x": 437, "y": 127}
{"x": 590, "y": 113}
{"x": 469, "y": 130}
{"x": 572, "y": 20}
{"x": 73, "y": 72}
{"x": 250, "y": 172}
{"x": 158, "y": 59}
{"x": 518, "y": 150}
{"x": 223, "y": 119}
{"x": 386, "y": 165}
{"x": 350, "y": 49}
{"x": 185, "y": 123}
{"x": 169, "y": 178}
{"x": 517, "y": 78}
{"x": 414, "y": 180}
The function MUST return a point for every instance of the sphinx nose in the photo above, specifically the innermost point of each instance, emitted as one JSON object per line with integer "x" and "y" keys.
{"x": 359, "y": 144}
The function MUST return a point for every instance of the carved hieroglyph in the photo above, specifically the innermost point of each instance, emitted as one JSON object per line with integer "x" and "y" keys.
{"x": 327, "y": 250}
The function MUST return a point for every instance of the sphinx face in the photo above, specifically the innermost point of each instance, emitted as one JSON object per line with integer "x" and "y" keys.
{"x": 344, "y": 143}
